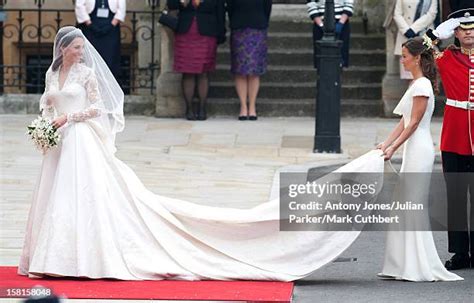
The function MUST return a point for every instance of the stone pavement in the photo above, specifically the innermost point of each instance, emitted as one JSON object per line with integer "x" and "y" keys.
{"x": 225, "y": 162}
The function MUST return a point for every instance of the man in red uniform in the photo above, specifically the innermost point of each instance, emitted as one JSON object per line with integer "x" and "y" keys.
{"x": 456, "y": 68}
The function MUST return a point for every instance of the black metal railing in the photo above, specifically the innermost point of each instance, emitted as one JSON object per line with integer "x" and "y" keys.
{"x": 27, "y": 41}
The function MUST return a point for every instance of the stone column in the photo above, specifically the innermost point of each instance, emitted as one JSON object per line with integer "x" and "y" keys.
{"x": 169, "y": 96}
{"x": 393, "y": 87}
{"x": 374, "y": 11}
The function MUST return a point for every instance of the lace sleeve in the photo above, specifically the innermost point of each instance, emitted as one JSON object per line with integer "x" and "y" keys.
{"x": 93, "y": 96}
{"x": 47, "y": 110}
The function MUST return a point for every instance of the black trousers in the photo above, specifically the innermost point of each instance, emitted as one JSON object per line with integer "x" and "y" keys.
{"x": 460, "y": 236}
{"x": 345, "y": 36}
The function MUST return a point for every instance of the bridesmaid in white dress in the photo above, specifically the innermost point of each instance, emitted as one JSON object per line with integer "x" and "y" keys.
{"x": 92, "y": 217}
{"x": 412, "y": 255}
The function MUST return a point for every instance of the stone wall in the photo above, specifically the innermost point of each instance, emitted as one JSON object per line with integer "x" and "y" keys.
{"x": 29, "y": 104}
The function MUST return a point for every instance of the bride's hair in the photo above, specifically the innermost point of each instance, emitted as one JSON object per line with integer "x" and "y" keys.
{"x": 63, "y": 39}
{"x": 415, "y": 47}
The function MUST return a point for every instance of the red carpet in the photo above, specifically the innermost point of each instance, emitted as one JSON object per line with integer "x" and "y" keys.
{"x": 149, "y": 290}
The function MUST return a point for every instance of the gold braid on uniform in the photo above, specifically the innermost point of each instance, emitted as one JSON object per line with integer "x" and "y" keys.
{"x": 467, "y": 51}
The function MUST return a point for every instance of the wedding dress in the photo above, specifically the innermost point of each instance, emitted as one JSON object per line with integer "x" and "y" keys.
{"x": 92, "y": 217}
{"x": 412, "y": 255}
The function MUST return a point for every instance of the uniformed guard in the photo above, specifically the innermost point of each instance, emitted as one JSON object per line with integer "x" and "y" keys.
{"x": 456, "y": 69}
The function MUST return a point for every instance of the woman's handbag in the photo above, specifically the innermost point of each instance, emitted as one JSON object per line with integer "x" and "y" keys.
{"x": 169, "y": 20}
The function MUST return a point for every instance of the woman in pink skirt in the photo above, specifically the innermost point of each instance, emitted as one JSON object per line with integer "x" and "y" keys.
{"x": 201, "y": 26}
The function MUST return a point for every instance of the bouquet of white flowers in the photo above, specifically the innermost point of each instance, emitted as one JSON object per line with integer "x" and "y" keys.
{"x": 43, "y": 134}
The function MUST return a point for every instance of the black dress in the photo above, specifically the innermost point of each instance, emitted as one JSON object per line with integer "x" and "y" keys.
{"x": 104, "y": 37}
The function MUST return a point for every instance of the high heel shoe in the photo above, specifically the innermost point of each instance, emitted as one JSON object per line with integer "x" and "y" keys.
{"x": 190, "y": 113}
{"x": 245, "y": 116}
{"x": 253, "y": 117}
{"x": 202, "y": 115}
{"x": 458, "y": 261}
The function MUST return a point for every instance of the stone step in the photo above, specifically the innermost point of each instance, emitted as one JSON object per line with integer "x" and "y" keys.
{"x": 28, "y": 104}
{"x": 289, "y": 86}
{"x": 296, "y": 74}
{"x": 304, "y": 40}
{"x": 305, "y": 25}
{"x": 294, "y": 108}
{"x": 302, "y": 90}
{"x": 304, "y": 57}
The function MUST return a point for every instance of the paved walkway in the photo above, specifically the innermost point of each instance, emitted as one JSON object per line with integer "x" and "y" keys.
{"x": 218, "y": 162}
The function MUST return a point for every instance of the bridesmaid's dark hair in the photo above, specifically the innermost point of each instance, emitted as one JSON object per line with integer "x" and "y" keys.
{"x": 65, "y": 38}
{"x": 415, "y": 47}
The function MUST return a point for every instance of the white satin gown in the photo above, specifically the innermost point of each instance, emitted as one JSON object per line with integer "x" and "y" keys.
{"x": 412, "y": 255}
{"x": 92, "y": 217}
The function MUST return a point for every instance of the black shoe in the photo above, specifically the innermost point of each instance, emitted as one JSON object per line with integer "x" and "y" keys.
{"x": 458, "y": 261}
{"x": 202, "y": 115}
{"x": 243, "y": 118}
{"x": 190, "y": 113}
{"x": 253, "y": 118}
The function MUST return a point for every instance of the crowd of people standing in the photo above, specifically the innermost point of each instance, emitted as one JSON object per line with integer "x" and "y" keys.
{"x": 201, "y": 28}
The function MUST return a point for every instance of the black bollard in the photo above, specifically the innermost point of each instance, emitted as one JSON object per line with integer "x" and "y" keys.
{"x": 328, "y": 99}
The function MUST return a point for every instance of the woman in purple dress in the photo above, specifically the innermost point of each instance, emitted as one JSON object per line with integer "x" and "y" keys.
{"x": 249, "y": 23}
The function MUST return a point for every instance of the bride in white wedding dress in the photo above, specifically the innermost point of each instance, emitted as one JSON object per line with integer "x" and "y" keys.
{"x": 411, "y": 255}
{"x": 92, "y": 217}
